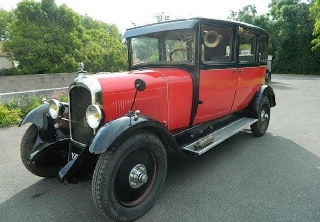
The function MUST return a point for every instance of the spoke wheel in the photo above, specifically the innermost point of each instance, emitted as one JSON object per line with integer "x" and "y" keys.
{"x": 128, "y": 176}
{"x": 260, "y": 127}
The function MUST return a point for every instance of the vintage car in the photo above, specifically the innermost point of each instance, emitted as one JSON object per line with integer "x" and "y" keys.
{"x": 191, "y": 84}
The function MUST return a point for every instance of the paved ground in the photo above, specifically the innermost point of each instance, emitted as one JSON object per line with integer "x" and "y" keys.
{"x": 272, "y": 178}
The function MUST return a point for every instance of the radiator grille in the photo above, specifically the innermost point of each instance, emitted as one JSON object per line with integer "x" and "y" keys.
{"x": 80, "y": 99}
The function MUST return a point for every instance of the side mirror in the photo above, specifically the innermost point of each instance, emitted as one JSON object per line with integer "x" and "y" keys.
{"x": 140, "y": 85}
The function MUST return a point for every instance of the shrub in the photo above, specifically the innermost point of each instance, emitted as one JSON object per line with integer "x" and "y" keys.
{"x": 63, "y": 97}
{"x": 32, "y": 103}
{"x": 9, "y": 116}
{"x": 12, "y": 112}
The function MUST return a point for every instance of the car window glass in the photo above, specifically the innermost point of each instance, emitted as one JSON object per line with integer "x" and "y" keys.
{"x": 217, "y": 44}
{"x": 263, "y": 50}
{"x": 174, "y": 46}
{"x": 247, "y": 47}
{"x": 145, "y": 49}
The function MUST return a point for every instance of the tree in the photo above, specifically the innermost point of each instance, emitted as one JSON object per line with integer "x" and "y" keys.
{"x": 293, "y": 27}
{"x": 5, "y": 18}
{"x": 290, "y": 27}
{"x": 91, "y": 24}
{"x": 45, "y": 38}
{"x": 102, "y": 52}
{"x": 249, "y": 15}
{"x": 315, "y": 12}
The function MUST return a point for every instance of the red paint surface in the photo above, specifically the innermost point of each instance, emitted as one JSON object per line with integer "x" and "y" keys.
{"x": 217, "y": 90}
{"x": 224, "y": 91}
{"x": 167, "y": 97}
{"x": 180, "y": 91}
{"x": 248, "y": 82}
{"x": 168, "y": 94}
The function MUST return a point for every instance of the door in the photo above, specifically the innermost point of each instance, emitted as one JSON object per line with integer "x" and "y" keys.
{"x": 249, "y": 71}
{"x": 218, "y": 73}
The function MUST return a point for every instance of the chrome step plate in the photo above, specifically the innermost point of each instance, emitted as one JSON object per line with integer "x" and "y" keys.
{"x": 221, "y": 135}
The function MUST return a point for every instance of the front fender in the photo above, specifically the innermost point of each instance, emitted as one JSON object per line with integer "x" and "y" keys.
{"x": 114, "y": 131}
{"x": 46, "y": 132}
{"x": 38, "y": 116}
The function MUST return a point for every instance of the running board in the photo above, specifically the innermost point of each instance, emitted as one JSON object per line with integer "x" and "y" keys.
{"x": 206, "y": 143}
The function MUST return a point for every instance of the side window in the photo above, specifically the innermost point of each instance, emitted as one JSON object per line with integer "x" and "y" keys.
{"x": 217, "y": 44}
{"x": 263, "y": 49}
{"x": 247, "y": 47}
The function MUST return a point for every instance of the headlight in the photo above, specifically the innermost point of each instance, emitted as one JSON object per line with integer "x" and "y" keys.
{"x": 55, "y": 108}
{"x": 93, "y": 116}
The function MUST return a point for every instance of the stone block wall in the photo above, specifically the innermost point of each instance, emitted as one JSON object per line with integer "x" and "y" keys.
{"x": 9, "y": 84}
{"x": 47, "y": 85}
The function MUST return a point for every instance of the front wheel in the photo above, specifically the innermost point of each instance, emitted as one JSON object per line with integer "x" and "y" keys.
{"x": 260, "y": 127}
{"x": 129, "y": 176}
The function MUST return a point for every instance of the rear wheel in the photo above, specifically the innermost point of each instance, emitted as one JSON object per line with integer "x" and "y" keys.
{"x": 27, "y": 143}
{"x": 129, "y": 176}
{"x": 260, "y": 127}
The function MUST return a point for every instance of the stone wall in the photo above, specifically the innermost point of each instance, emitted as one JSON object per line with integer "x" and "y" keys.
{"x": 22, "y": 86}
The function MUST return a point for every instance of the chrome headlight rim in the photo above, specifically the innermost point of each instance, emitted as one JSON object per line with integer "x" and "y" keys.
{"x": 55, "y": 108}
{"x": 94, "y": 116}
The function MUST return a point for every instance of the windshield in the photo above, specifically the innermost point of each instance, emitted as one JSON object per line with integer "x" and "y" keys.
{"x": 163, "y": 48}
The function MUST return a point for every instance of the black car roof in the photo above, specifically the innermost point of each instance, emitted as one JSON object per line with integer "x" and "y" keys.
{"x": 184, "y": 24}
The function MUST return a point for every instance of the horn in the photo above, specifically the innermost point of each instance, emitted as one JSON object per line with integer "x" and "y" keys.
{"x": 212, "y": 39}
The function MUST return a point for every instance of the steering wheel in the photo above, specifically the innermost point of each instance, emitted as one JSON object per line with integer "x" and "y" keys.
{"x": 180, "y": 50}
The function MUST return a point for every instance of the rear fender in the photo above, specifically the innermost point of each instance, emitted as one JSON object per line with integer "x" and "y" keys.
{"x": 263, "y": 91}
{"x": 114, "y": 131}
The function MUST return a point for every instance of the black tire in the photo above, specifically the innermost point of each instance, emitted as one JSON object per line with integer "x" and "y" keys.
{"x": 28, "y": 140}
{"x": 112, "y": 193}
{"x": 260, "y": 127}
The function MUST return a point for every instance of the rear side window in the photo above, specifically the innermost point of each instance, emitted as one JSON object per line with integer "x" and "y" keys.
{"x": 263, "y": 49}
{"x": 217, "y": 44}
{"x": 247, "y": 47}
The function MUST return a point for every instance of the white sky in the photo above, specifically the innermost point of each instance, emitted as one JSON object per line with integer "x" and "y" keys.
{"x": 125, "y": 12}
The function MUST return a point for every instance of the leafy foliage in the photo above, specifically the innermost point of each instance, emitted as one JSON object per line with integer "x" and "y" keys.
{"x": 293, "y": 27}
{"x": 5, "y": 18}
{"x": 14, "y": 110}
{"x": 249, "y": 15}
{"x": 9, "y": 116}
{"x": 290, "y": 27}
{"x": 45, "y": 38}
{"x": 315, "y": 12}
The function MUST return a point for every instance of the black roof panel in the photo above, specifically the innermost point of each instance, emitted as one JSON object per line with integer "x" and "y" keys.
{"x": 183, "y": 24}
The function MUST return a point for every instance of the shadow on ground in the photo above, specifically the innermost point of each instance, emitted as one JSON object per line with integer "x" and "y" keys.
{"x": 243, "y": 179}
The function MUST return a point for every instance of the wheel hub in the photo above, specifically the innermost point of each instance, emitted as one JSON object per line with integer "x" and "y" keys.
{"x": 264, "y": 115}
{"x": 138, "y": 176}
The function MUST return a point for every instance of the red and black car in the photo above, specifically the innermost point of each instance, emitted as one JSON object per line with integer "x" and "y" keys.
{"x": 191, "y": 85}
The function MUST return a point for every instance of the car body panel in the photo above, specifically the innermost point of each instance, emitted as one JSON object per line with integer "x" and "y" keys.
{"x": 167, "y": 97}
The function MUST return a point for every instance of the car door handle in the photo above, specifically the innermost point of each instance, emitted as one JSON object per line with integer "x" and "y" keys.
{"x": 240, "y": 70}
